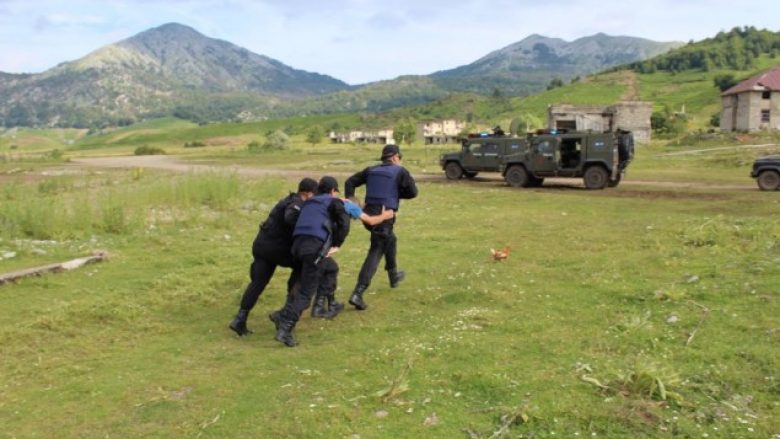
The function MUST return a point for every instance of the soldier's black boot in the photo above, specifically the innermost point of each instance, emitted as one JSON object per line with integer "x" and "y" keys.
{"x": 238, "y": 324}
{"x": 395, "y": 277}
{"x": 274, "y": 317}
{"x": 320, "y": 310}
{"x": 284, "y": 333}
{"x": 334, "y": 308}
{"x": 356, "y": 299}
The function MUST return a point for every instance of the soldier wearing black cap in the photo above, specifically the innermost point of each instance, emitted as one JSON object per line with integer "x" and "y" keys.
{"x": 271, "y": 248}
{"x": 325, "y": 304}
{"x": 386, "y": 184}
{"x": 322, "y": 227}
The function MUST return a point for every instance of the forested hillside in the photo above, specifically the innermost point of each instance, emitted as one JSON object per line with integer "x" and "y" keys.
{"x": 737, "y": 49}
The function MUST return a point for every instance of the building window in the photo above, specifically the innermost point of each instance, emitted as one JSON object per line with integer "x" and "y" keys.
{"x": 766, "y": 94}
{"x": 764, "y": 116}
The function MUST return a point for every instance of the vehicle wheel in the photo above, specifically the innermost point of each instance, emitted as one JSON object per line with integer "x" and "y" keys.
{"x": 453, "y": 171}
{"x": 595, "y": 177}
{"x": 615, "y": 182}
{"x": 769, "y": 181}
{"x": 470, "y": 174}
{"x": 517, "y": 176}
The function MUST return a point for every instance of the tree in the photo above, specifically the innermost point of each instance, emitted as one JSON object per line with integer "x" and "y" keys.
{"x": 314, "y": 135}
{"x": 715, "y": 120}
{"x": 555, "y": 83}
{"x": 725, "y": 82}
{"x": 277, "y": 140}
{"x": 405, "y": 131}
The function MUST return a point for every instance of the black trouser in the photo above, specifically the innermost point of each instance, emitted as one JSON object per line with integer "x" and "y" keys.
{"x": 267, "y": 258}
{"x": 329, "y": 271}
{"x": 305, "y": 251}
{"x": 383, "y": 243}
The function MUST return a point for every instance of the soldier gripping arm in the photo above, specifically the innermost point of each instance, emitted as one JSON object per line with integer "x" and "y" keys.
{"x": 339, "y": 223}
{"x": 356, "y": 180}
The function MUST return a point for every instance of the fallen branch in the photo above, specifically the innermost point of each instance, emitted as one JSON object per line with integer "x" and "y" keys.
{"x": 705, "y": 313}
{"x": 53, "y": 268}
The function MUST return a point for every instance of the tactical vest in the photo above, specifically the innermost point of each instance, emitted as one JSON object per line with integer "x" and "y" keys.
{"x": 314, "y": 217}
{"x": 382, "y": 186}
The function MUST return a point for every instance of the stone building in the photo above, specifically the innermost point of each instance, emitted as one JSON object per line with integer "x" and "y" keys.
{"x": 439, "y": 131}
{"x": 753, "y": 104}
{"x": 632, "y": 116}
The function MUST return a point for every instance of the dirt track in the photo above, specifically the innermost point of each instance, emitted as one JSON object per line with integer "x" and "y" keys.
{"x": 172, "y": 164}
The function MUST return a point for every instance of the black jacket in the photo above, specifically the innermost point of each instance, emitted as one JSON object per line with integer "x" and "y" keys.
{"x": 277, "y": 229}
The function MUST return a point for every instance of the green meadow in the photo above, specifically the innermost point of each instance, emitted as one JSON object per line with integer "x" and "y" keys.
{"x": 648, "y": 310}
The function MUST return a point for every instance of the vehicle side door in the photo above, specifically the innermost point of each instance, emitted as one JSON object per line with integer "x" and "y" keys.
{"x": 490, "y": 156}
{"x": 471, "y": 156}
{"x": 543, "y": 155}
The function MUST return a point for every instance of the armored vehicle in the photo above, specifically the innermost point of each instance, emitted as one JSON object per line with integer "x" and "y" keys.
{"x": 600, "y": 159}
{"x": 766, "y": 171}
{"x": 480, "y": 153}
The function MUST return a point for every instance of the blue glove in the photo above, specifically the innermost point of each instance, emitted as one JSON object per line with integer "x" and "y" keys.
{"x": 352, "y": 209}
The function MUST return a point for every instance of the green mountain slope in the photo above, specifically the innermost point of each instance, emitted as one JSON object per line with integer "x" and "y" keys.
{"x": 157, "y": 72}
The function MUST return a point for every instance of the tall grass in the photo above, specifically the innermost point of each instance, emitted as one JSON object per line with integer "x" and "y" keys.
{"x": 117, "y": 206}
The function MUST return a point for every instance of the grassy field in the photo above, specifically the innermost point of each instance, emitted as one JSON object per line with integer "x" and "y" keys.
{"x": 641, "y": 311}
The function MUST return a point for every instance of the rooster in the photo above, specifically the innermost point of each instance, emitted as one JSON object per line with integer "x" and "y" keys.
{"x": 500, "y": 255}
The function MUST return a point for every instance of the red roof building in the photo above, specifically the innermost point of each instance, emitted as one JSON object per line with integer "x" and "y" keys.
{"x": 753, "y": 104}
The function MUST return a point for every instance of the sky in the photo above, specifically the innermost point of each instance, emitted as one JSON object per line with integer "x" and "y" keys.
{"x": 359, "y": 41}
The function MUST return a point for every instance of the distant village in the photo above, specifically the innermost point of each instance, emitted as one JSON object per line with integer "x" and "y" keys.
{"x": 751, "y": 105}
{"x": 630, "y": 115}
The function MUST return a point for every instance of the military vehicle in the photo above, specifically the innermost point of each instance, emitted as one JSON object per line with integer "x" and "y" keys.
{"x": 480, "y": 153}
{"x": 600, "y": 159}
{"x": 766, "y": 171}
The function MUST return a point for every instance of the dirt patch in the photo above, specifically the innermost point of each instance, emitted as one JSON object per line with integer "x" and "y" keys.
{"x": 173, "y": 164}
{"x": 628, "y": 77}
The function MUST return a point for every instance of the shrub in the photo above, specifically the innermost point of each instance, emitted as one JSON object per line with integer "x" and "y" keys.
{"x": 277, "y": 140}
{"x": 715, "y": 120}
{"x": 148, "y": 150}
{"x": 54, "y": 154}
{"x": 194, "y": 144}
{"x": 254, "y": 146}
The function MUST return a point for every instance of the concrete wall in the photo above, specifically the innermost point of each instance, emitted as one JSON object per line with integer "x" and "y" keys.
{"x": 728, "y": 113}
{"x": 632, "y": 116}
{"x": 742, "y": 111}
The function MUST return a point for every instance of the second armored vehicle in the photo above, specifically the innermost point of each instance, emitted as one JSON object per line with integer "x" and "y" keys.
{"x": 600, "y": 159}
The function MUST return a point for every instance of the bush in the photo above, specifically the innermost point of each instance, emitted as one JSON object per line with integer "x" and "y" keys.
{"x": 194, "y": 144}
{"x": 54, "y": 154}
{"x": 149, "y": 150}
{"x": 277, "y": 140}
{"x": 254, "y": 146}
{"x": 715, "y": 120}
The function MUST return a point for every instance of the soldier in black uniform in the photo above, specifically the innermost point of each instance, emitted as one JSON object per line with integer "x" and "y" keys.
{"x": 270, "y": 249}
{"x": 325, "y": 304}
{"x": 386, "y": 184}
{"x": 322, "y": 227}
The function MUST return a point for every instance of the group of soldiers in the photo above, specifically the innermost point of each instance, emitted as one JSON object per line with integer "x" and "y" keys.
{"x": 306, "y": 228}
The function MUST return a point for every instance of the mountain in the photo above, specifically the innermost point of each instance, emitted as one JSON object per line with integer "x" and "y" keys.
{"x": 522, "y": 68}
{"x": 174, "y": 70}
{"x": 530, "y": 64}
{"x": 155, "y": 72}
